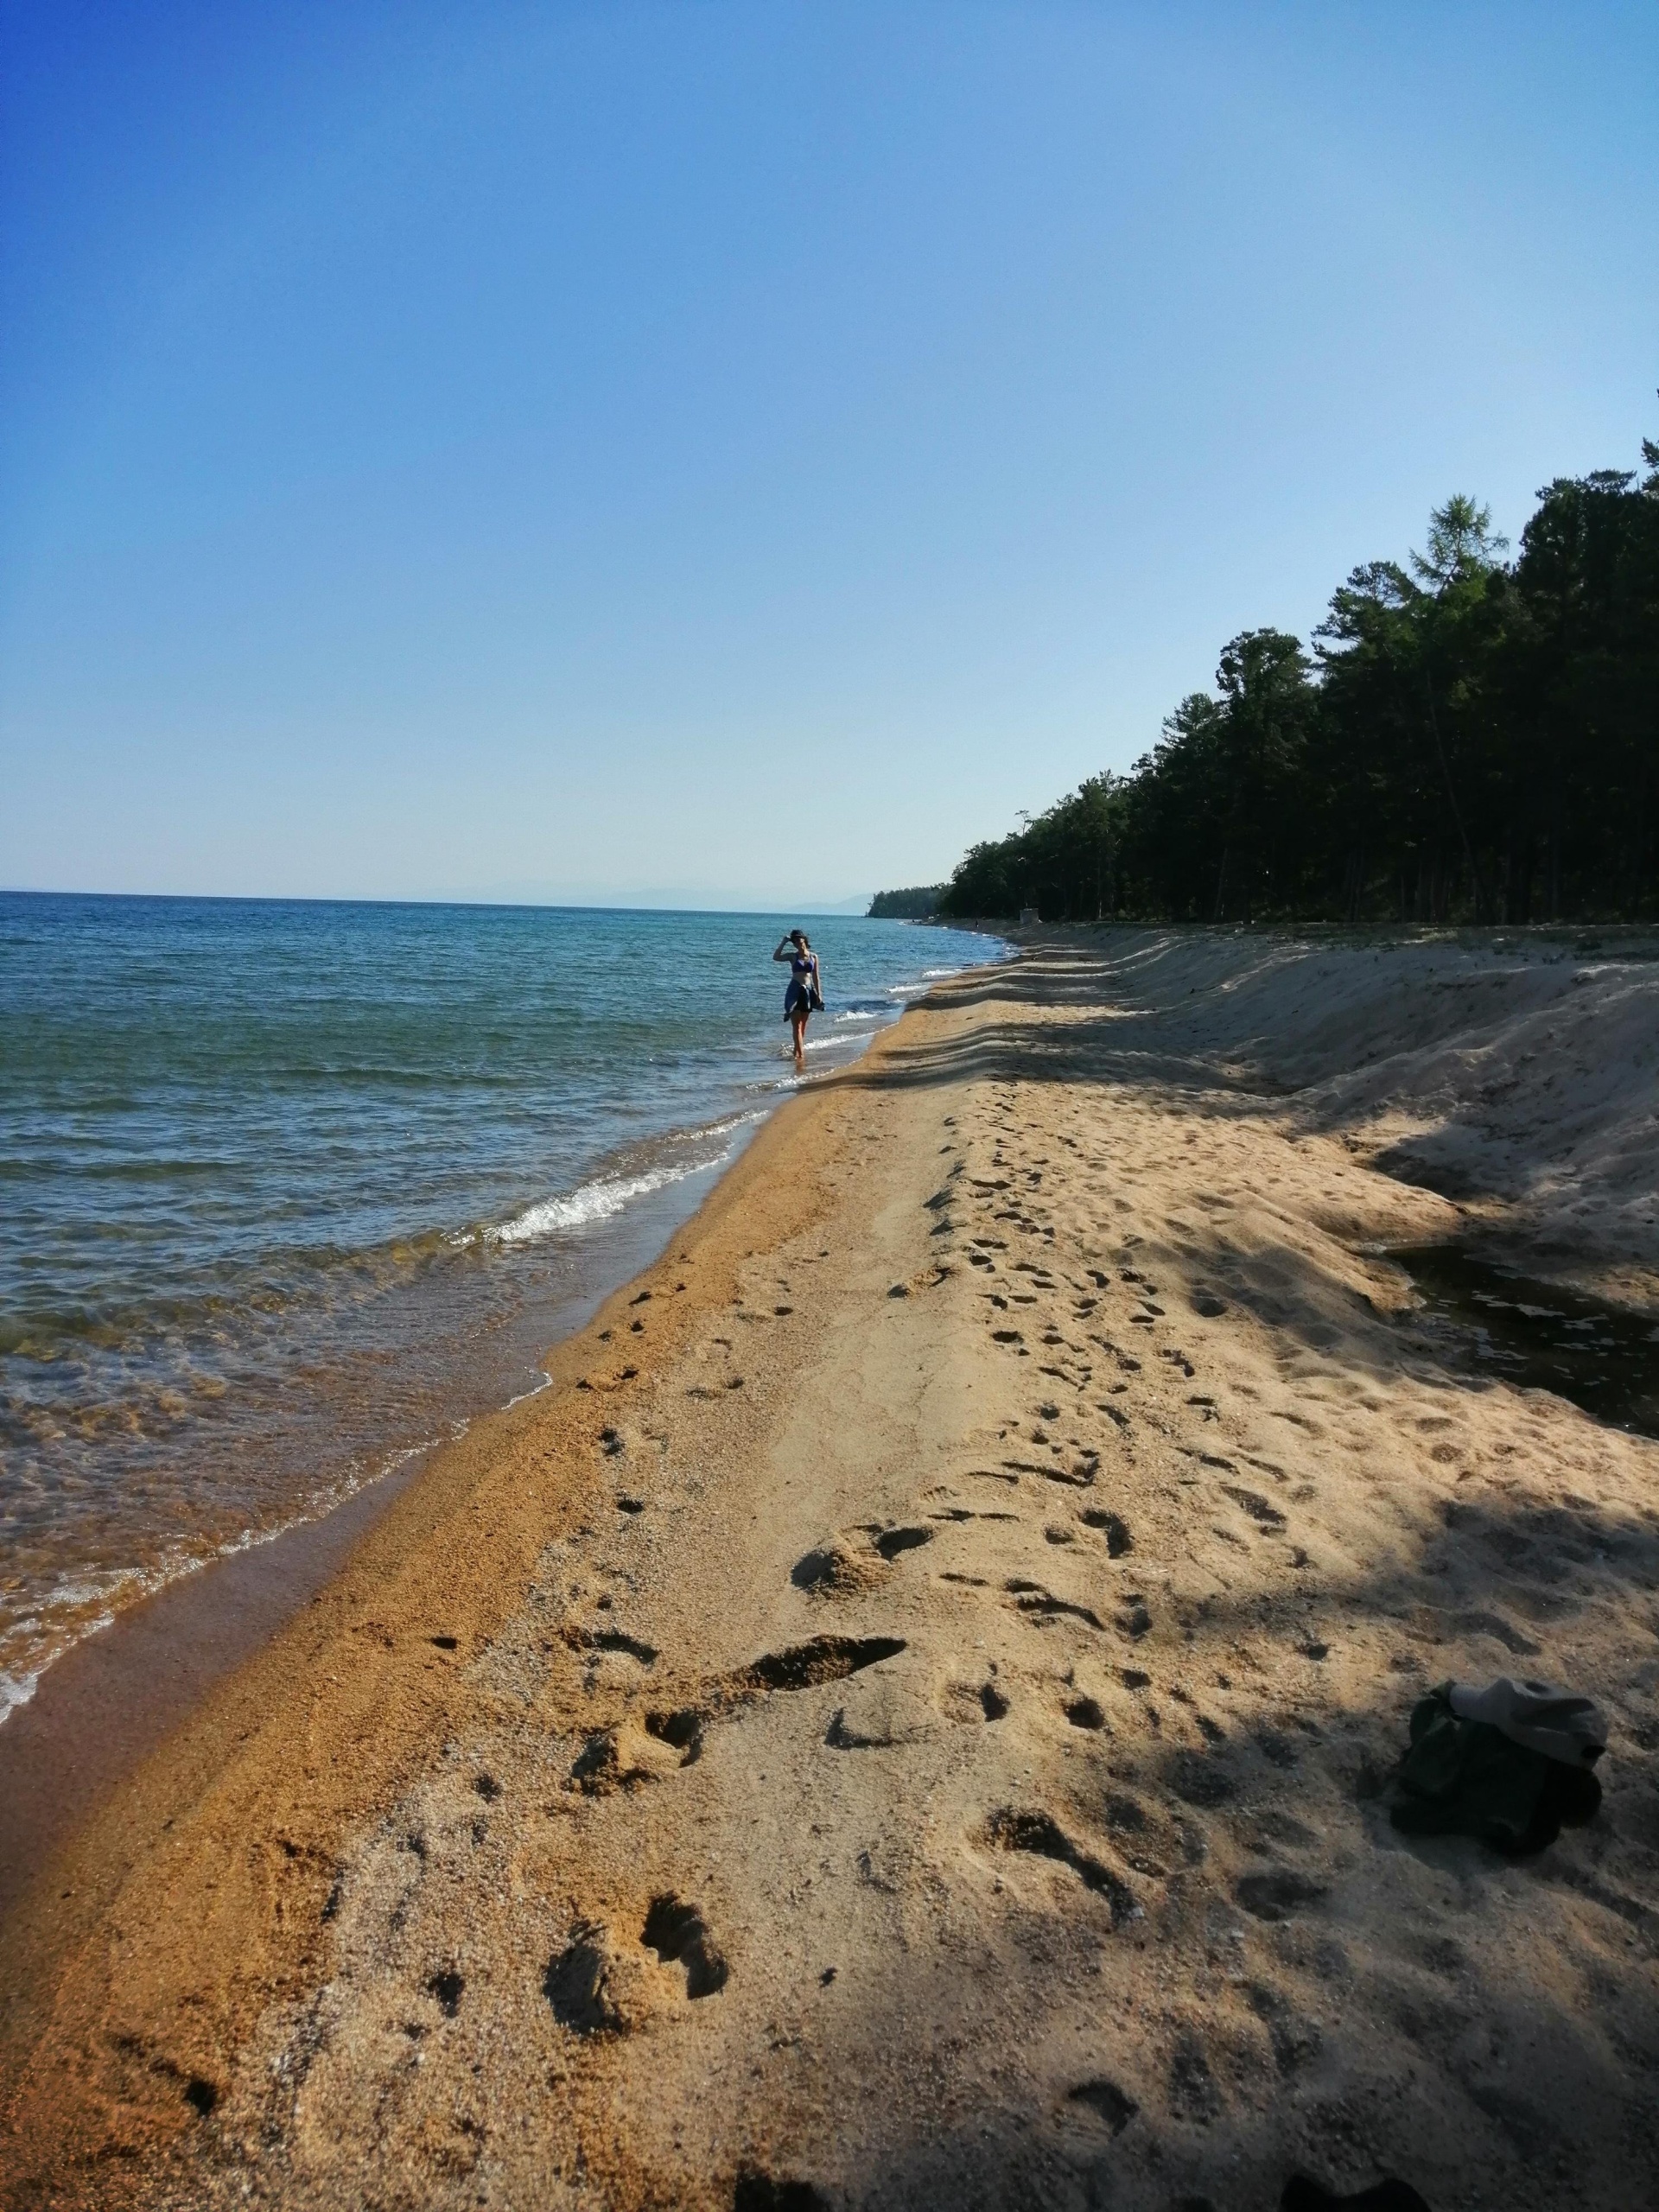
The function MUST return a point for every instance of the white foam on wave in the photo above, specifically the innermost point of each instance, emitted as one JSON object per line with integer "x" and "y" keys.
{"x": 589, "y": 1203}
{"x": 534, "y": 1391}
{"x": 710, "y": 1129}
{"x": 607, "y": 1195}
{"x": 604, "y": 1197}
{"x": 16, "y": 1690}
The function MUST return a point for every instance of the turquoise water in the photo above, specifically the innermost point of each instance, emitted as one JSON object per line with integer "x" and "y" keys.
{"x": 288, "y": 1189}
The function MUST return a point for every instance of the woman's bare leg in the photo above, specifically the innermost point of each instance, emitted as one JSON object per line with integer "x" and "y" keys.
{"x": 798, "y": 1023}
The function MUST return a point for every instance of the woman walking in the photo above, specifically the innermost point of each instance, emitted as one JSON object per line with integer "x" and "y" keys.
{"x": 805, "y": 992}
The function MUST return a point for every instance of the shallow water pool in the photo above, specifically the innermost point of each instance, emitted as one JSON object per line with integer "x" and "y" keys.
{"x": 1539, "y": 1336}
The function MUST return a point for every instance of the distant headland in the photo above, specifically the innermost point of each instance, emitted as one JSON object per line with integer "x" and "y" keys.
{"x": 919, "y": 904}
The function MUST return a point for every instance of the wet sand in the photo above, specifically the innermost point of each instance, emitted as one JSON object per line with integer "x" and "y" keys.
{"x": 110, "y": 1700}
{"x": 904, "y": 1721}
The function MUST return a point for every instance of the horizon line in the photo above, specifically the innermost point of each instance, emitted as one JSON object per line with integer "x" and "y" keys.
{"x": 843, "y": 908}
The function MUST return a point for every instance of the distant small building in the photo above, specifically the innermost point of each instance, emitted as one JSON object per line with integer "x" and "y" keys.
{"x": 1028, "y": 914}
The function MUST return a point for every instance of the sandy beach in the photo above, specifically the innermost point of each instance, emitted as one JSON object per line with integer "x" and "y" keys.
{"x": 905, "y": 1719}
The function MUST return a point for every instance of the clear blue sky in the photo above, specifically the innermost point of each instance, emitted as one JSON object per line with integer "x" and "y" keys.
{"x": 745, "y": 453}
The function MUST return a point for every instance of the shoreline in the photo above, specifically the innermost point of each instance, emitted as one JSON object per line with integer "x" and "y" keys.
{"x": 110, "y": 1700}
{"x": 903, "y": 1715}
{"x": 85, "y": 1865}
{"x": 111, "y": 1697}
{"x": 195, "y": 1366}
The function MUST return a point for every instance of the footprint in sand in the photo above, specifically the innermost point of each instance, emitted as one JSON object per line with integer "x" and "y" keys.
{"x": 1267, "y": 1517}
{"x": 757, "y": 2191}
{"x": 880, "y": 1713}
{"x": 681, "y": 1729}
{"x": 825, "y": 1659}
{"x": 586, "y": 1984}
{"x": 1039, "y": 1834}
{"x": 1042, "y": 1607}
{"x": 679, "y": 1934}
{"x": 973, "y": 1701}
{"x": 611, "y": 1639}
{"x": 624, "y": 1757}
{"x": 1193, "y": 2092}
{"x": 447, "y": 1988}
{"x": 892, "y": 1542}
{"x": 855, "y": 1562}
{"x": 1102, "y": 2101}
{"x": 1277, "y": 1893}
{"x": 1134, "y": 1619}
{"x": 1111, "y": 1527}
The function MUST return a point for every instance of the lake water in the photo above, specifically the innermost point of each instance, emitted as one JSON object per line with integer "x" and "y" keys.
{"x": 290, "y": 1190}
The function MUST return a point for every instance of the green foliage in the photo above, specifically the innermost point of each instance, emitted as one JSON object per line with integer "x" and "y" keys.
{"x": 918, "y": 904}
{"x": 1469, "y": 739}
{"x": 1065, "y": 863}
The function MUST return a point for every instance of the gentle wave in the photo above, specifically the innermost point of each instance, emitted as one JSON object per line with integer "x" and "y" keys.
{"x": 605, "y": 1198}
{"x": 591, "y": 1202}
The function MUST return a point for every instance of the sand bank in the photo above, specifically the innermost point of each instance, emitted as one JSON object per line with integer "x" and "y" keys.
{"x": 905, "y": 1714}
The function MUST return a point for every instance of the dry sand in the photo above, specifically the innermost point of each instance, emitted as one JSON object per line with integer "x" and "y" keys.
{"x": 902, "y": 1722}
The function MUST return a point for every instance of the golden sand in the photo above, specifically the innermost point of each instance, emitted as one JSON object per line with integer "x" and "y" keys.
{"x": 906, "y": 1715}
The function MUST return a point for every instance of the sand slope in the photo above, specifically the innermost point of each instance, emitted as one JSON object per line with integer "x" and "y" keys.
{"x": 905, "y": 1718}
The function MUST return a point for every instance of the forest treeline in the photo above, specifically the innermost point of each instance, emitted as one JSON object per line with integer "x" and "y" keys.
{"x": 919, "y": 904}
{"x": 1468, "y": 739}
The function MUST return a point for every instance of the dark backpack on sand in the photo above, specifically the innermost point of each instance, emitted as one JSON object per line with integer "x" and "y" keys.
{"x": 1466, "y": 1776}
